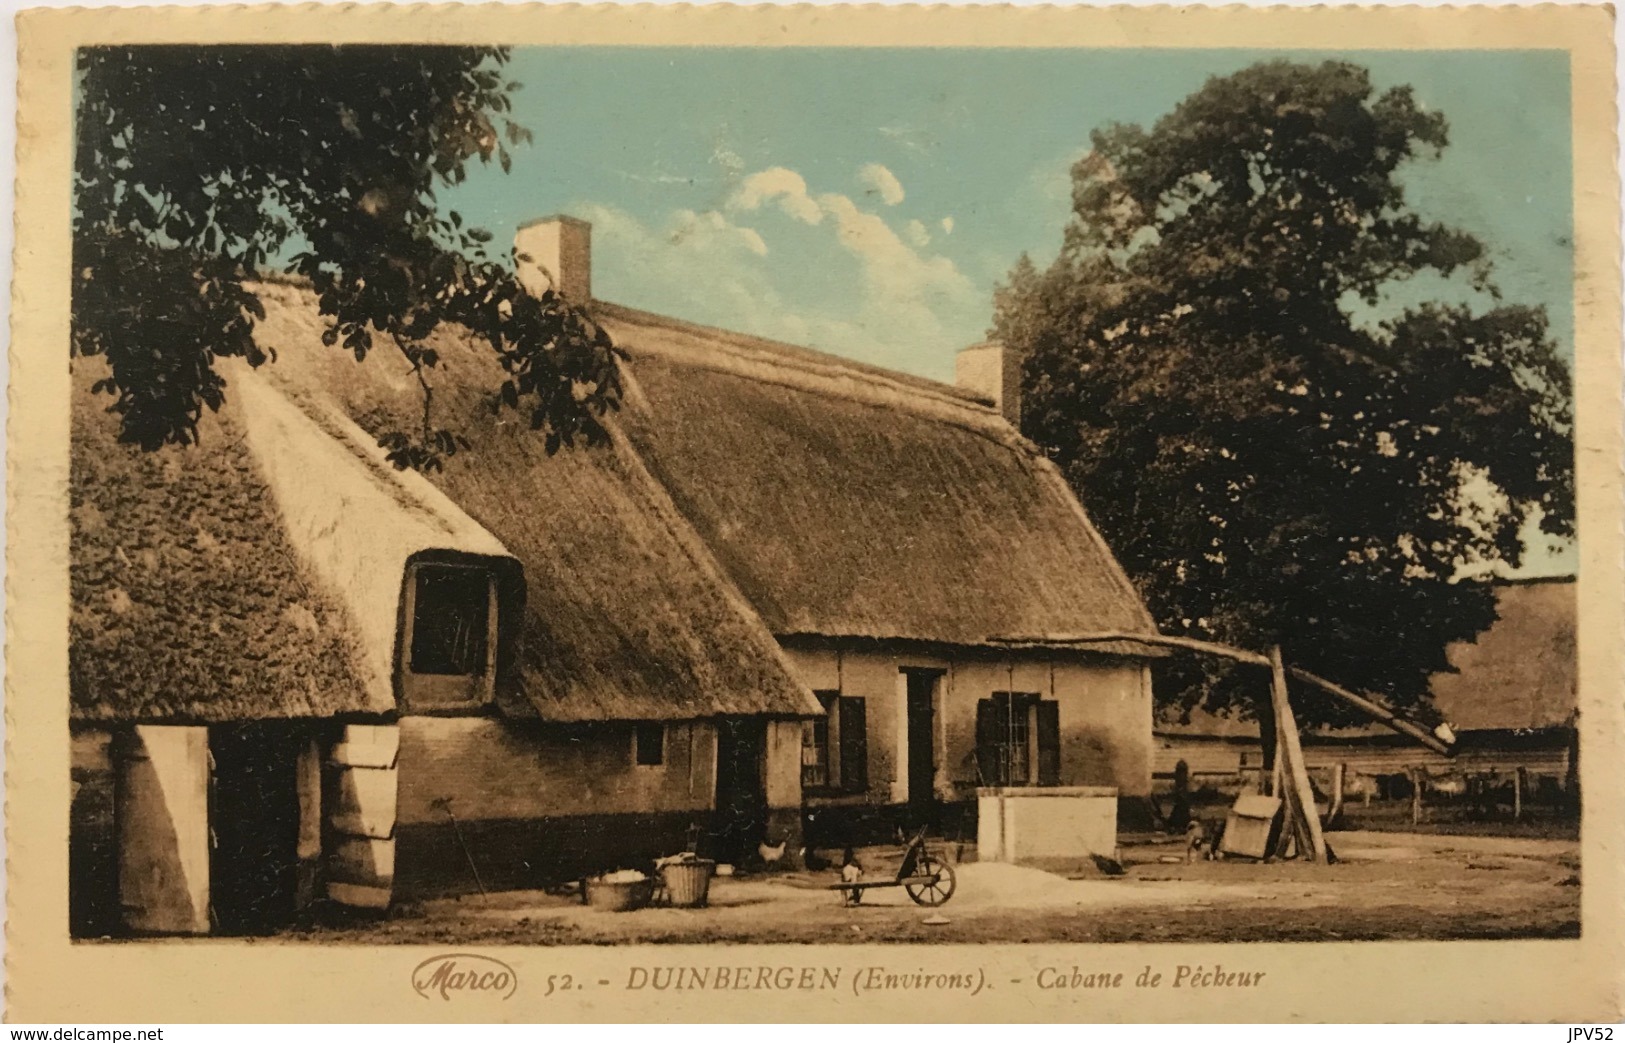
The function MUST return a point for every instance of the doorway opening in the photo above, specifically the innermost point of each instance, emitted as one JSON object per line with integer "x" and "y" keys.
{"x": 740, "y": 820}
{"x": 254, "y": 822}
{"x": 922, "y": 746}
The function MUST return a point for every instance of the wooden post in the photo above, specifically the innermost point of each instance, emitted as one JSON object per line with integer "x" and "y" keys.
{"x": 1295, "y": 775}
{"x": 1520, "y": 781}
{"x": 308, "y": 784}
{"x": 1416, "y": 796}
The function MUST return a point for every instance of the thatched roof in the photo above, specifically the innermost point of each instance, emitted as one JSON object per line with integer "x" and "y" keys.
{"x": 626, "y": 615}
{"x": 255, "y": 575}
{"x": 753, "y": 492}
{"x": 189, "y": 603}
{"x": 1521, "y": 673}
{"x": 845, "y": 501}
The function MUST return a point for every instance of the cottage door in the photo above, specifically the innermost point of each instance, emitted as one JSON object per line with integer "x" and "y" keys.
{"x": 922, "y": 759}
{"x": 740, "y": 820}
{"x": 254, "y": 820}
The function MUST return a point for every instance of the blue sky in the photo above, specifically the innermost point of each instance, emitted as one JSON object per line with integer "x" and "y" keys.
{"x": 866, "y": 201}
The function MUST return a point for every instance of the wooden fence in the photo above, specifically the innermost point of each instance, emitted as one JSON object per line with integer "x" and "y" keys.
{"x": 1417, "y": 793}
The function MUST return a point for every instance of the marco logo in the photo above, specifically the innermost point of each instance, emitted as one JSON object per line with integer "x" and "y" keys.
{"x": 461, "y": 972}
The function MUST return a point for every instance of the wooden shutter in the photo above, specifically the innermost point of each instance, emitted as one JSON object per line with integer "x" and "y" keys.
{"x": 1049, "y": 743}
{"x": 854, "y": 744}
{"x": 988, "y": 737}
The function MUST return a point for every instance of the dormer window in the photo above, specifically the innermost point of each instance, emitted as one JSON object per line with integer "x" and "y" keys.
{"x": 449, "y": 650}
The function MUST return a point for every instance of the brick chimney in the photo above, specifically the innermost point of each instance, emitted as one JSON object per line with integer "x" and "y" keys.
{"x": 993, "y": 371}
{"x": 560, "y": 252}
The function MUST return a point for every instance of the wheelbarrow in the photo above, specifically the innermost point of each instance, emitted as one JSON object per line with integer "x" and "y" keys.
{"x": 927, "y": 879}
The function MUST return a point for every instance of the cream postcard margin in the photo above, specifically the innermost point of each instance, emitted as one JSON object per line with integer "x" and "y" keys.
{"x": 51, "y": 980}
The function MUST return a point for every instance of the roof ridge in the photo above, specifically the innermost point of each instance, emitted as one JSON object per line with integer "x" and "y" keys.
{"x": 880, "y": 390}
{"x": 796, "y": 356}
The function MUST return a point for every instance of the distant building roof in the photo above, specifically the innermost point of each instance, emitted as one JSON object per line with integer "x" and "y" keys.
{"x": 1521, "y": 673}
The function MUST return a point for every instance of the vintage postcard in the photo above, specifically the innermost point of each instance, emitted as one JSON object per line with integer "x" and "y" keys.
{"x": 594, "y": 513}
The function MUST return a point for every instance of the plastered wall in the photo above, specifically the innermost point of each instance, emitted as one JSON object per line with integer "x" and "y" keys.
{"x": 1105, "y": 713}
{"x": 496, "y": 769}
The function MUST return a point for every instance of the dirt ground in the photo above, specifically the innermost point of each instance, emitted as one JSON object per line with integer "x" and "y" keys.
{"x": 1385, "y": 886}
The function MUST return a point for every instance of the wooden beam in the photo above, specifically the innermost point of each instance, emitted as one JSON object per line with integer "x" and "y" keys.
{"x": 1366, "y": 704}
{"x": 1381, "y": 713}
{"x": 1312, "y": 844}
{"x": 1189, "y": 644}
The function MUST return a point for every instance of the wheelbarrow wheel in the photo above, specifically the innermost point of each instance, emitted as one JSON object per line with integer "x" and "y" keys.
{"x": 938, "y": 889}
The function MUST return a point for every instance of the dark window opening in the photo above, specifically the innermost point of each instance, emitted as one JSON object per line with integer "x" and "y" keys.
{"x": 450, "y": 620}
{"x": 1018, "y": 740}
{"x": 649, "y": 744}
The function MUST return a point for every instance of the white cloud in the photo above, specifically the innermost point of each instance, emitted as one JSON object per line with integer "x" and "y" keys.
{"x": 911, "y": 285}
{"x": 912, "y": 138}
{"x": 948, "y": 225}
{"x": 781, "y": 185}
{"x": 882, "y": 182}
{"x": 857, "y": 286}
{"x": 688, "y": 226}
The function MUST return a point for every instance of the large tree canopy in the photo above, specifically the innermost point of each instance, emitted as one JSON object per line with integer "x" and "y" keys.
{"x": 201, "y": 168}
{"x": 1270, "y": 462}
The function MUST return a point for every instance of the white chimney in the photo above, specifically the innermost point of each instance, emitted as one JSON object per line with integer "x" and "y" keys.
{"x": 992, "y": 371}
{"x": 559, "y": 252}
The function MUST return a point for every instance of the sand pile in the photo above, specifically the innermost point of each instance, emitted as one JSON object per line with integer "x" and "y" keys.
{"x": 1003, "y": 884}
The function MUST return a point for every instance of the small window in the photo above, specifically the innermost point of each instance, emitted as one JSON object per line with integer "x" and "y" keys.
{"x": 815, "y": 751}
{"x": 649, "y": 744}
{"x": 450, "y": 621}
{"x": 835, "y": 747}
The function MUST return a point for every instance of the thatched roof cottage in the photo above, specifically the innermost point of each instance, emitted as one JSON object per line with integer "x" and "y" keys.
{"x": 797, "y": 598}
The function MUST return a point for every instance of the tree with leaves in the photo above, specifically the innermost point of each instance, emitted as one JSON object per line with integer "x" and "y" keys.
{"x": 201, "y": 169}
{"x": 1275, "y": 448}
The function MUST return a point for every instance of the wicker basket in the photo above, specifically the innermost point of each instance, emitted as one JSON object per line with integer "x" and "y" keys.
{"x": 619, "y": 897}
{"x": 688, "y": 884}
